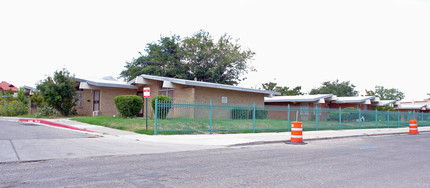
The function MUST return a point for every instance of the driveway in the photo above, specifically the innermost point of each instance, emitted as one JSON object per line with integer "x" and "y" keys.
{"x": 29, "y": 142}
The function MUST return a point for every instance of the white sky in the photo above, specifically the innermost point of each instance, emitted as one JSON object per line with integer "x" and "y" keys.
{"x": 297, "y": 43}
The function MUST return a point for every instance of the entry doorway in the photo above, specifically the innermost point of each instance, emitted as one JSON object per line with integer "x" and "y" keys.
{"x": 96, "y": 100}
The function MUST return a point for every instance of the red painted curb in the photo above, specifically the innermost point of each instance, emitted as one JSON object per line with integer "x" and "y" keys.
{"x": 53, "y": 124}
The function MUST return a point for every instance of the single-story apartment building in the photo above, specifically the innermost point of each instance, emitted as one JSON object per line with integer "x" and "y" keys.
{"x": 321, "y": 101}
{"x": 417, "y": 106}
{"x": 302, "y": 102}
{"x": 95, "y": 97}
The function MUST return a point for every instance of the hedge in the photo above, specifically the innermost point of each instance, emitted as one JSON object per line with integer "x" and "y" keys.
{"x": 128, "y": 105}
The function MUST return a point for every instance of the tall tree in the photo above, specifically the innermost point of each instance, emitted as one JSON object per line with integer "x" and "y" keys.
{"x": 340, "y": 89}
{"x": 221, "y": 61}
{"x": 272, "y": 86}
{"x": 59, "y": 91}
{"x": 161, "y": 59}
{"x": 386, "y": 94}
{"x": 197, "y": 57}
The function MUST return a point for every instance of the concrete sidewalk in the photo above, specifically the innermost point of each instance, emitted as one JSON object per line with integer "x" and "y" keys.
{"x": 224, "y": 140}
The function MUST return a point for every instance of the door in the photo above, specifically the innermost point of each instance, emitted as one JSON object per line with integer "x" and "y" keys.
{"x": 96, "y": 100}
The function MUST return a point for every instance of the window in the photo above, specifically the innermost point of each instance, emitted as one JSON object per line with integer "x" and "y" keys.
{"x": 80, "y": 96}
{"x": 223, "y": 99}
{"x": 304, "y": 108}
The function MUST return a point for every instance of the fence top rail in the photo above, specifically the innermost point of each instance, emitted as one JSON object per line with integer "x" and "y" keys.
{"x": 180, "y": 104}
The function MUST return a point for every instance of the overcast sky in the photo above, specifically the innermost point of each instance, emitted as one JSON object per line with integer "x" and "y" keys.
{"x": 297, "y": 43}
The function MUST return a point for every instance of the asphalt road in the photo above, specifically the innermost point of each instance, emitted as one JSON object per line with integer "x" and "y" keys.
{"x": 377, "y": 161}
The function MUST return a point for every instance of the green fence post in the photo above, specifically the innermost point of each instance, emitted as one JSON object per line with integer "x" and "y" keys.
{"x": 359, "y": 117}
{"x": 210, "y": 117}
{"x": 156, "y": 107}
{"x": 388, "y": 119}
{"x": 340, "y": 118}
{"x": 253, "y": 118}
{"x": 398, "y": 119}
{"x": 376, "y": 117}
{"x": 316, "y": 118}
{"x": 422, "y": 118}
{"x": 288, "y": 126}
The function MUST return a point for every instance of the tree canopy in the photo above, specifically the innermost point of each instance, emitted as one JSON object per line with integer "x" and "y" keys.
{"x": 340, "y": 89}
{"x": 197, "y": 57}
{"x": 59, "y": 91}
{"x": 272, "y": 86}
{"x": 386, "y": 94}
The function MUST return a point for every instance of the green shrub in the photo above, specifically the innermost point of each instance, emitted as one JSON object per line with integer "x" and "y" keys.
{"x": 259, "y": 114}
{"x": 240, "y": 113}
{"x": 128, "y": 105}
{"x": 164, "y": 109}
{"x": 46, "y": 111}
{"x": 13, "y": 108}
{"x": 348, "y": 114}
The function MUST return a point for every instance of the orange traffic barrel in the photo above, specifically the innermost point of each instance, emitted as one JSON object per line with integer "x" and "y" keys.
{"x": 413, "y": 126}
{"x": 296, "y": 132}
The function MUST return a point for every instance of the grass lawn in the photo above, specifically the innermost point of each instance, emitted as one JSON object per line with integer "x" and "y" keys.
{"x": 183, "y": 125}
{"x": 137, "y": 125}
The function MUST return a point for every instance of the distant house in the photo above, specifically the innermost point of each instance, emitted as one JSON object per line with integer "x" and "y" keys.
{"x": 4, "y": 86}
{"x": 306, "y": 103}
{"x": 357, "y": 102}
{"x": 96, "y": 96}
{"x": 302, "y": 102}
{"x": 416, "y": 106}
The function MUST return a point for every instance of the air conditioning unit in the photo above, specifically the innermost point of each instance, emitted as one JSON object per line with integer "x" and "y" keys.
{"x": 95, "y": 113}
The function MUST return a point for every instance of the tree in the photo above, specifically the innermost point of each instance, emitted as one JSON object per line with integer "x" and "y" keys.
{"x": 197, "y": 57}
{"x": 37, "y": 98}
{"x": 21, "y": 96}
{"x": 222, "y": 61}
{"x": 340, "y": 89}
{"x": 272, "y": 86}
{"x": 59, "y": 91}
{"x": 161, "y": 59}
{"x": 386, "y": 94}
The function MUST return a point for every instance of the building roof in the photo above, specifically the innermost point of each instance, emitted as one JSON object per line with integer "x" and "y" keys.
{"x": 4, "y": 86}
{"x": 356, "y": 99}
{"x": 107, "y": 81}
{"x": 385, "y": 102}
{"x": 298, "y": 98}
{"x": 204, "y": 84}
{"x": 413, "y": 106}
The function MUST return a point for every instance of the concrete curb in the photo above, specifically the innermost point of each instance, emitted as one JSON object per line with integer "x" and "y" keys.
{"x": 41, "y": 121}
{"x": 312, "y": 139}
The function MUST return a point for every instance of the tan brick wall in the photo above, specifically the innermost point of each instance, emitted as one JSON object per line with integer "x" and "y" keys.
{"x": 107, "y": 104}
{"x": 87, "y": 103}
{"x": 203, "y": 94}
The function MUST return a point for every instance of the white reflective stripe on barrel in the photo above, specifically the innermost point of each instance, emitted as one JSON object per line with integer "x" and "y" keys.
{"x": 413, "y": 128}
{"x": 296, "y": 129}
{"x": 296, "y": 136}
{"x": 413, "y": 124}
